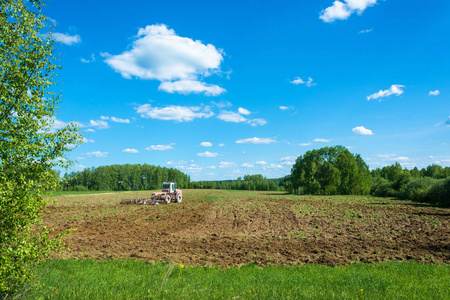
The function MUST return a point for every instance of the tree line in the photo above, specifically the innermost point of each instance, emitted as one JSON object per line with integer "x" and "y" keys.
{"x": 334, "y": 170}
{"x": 123, "y": 178}
{"x": 249, "y": 182}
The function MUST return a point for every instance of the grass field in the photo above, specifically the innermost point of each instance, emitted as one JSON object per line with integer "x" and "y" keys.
{"x": 249, "y": 245}
{"x": 134, "y": 279}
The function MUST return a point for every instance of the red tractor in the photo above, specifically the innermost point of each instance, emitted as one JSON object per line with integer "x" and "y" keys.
{"x": 169, "y": 193}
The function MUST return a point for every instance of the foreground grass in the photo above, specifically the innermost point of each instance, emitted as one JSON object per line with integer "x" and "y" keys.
{"x": 132, "y": 279}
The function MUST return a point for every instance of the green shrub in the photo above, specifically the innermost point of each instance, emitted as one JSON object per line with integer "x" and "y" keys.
{"x": 416, "y": 189}
{"x": 79, "y": 188}
{"x": 444, "y": 195}
{"x": 383, "y": 188}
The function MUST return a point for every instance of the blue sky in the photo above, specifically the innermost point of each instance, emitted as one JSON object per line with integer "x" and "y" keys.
{"x": 223, "y": 89}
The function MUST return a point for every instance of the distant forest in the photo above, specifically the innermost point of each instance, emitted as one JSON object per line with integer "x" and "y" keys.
{"x": 325, "y": 171}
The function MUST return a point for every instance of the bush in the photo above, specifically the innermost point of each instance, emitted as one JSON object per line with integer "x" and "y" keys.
{"x": 383, "y": 188}
{"x": 79, "y": 188}
{"x": 418, "y": 189}
{"x": 444, "y": 195}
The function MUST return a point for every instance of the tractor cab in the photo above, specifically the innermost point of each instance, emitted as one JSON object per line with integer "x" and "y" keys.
{"x": 169, "y": 186}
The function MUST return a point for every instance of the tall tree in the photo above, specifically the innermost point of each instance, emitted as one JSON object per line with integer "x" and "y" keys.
{"x": 29, "y": 145}
{"x": 331, "y": 170}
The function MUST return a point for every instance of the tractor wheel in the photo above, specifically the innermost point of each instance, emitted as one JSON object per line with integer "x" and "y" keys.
{"x": 179, "y": 198}
{"x": 168, "y": 199}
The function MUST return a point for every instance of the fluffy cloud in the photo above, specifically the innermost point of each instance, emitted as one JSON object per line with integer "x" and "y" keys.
{"x": 206, "y": 144}
{"x": 100, "y": 124}
{"x": 85, "y": 140}
{"x": 305, "y": 144}
{"x": 191, "y": 86}
{"x": 117, "y": 120}
{"x": 256, "y": 122}
{"x": 66, "y": 38}
{"x": 298, "y": 81}
{"x": 247, "y": 165}
{"x": 160, "y": 147}
{"x": 176, "y": 163}
{"x": 221, "y": 145}
{"x": 395, "y": 89}
{"x": 341, "y": 11}
{"x": 261, "y": 162}
{"x": 322, "y": 140}
{"x": 207, "y": 154}
{"x": 230, "y": 116}
{"x": 225, "y": 164}
{"x": 158, "y": 53}
{"x": 256, "y": 140}
{"x": 284, "y": 107}
{"x": 174, "y": 112}
{"x": 362, "y": 131}
{"x": 97, "y": 154}
{"x": 244, "y": 111}
{"x": 434, "y": 93}
{"x": 130, "y": 150}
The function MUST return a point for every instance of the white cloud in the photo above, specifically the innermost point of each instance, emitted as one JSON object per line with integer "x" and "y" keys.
{"x": 402, "y": 158}
{"x": 207, "y": 154}
{"x": 385, "y": 156}
{"x": 130, "y": 150}
{"x": 434, "y": 93}
{"x": 158, "y": 53}
{"x": 256, "y": 140}
{"x": 174, "y": 112}
{"x": 395, "y": 89}
{"x": 66, "y": 38}
{"x": 221, "y": 104}
{"x": 225, "y": 164}
{"x": 244, "y": 111}
{"x": 160, "y": 147}
{"x": 191, "y": 86}
{"x": 230, "y": 116}
{"x": 261, "y": 162}
{"x": 365, "y": 31}
{"x": 176, "y": 163}
{"x": 431, "y": 157}
{"x": 341, "y": 11}
{"x": 206, "y": 144}
{"x": 117, "y": 120}
{"x": 97, "y": 154}
{"x": 90, "y": 130}
{"x": 298, "y": 81}
{"x": 80, "y": 157}
{"x": 256, "y": 122}
{"x": 86, "y": 61}
{"x": 362, "y": 131}
{"x": 221, "y": 145}
{"x": 322, "y": 140}
{"x": 247, "y": 165}
{"x": 284, "y": 107}
{"x": 85, "y": 140}
{"x": 100, "y": 124}
{"x": 305, "y": 144}
{"x": 273, "y": 166}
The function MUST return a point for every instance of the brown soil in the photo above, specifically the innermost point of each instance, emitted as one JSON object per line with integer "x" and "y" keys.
{"x": 268, "y": 229}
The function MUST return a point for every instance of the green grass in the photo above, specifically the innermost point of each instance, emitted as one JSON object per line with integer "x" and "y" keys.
{"x": 132, "y": 279}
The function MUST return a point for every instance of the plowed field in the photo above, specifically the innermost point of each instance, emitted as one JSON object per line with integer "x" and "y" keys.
{"x": 231, "y": 227}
